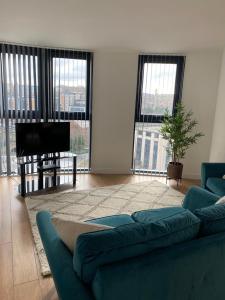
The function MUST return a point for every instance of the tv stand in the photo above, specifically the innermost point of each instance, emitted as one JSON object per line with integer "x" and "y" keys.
{"x": 53, "y": 164}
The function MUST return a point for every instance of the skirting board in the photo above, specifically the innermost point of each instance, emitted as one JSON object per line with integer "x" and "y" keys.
{"x": 129, "y": 172}
{"x": 110, "y": 171}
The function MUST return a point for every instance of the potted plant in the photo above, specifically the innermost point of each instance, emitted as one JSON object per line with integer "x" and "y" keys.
{"x": 178, "y": 131}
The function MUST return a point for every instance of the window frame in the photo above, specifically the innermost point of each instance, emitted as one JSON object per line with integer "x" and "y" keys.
{"x": 88, "y": 56}
{"x": 165, "y": 59}
{"x": 23, "y": 50}
{"x": 45, "y": 76}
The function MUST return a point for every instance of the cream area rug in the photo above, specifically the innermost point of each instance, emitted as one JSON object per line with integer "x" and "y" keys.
{"x": 99, "y": 202}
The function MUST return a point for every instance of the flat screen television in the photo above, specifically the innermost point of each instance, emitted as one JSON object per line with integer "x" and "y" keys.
{"x": 42, "y": 138}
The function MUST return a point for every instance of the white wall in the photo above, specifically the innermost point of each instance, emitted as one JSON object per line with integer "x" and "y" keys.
{"x": 114, "y": 91}
{"x": 200, "y": 95}
{"x": 218, "y": 142}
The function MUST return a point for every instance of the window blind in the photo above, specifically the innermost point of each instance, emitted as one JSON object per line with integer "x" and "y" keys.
{"x": 41, "y": 84}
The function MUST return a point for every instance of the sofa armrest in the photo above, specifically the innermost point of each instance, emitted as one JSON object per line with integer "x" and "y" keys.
{"x": 198, "y": 197}
{"x": 60, "y": 259}
{"x": 211, "y": 170}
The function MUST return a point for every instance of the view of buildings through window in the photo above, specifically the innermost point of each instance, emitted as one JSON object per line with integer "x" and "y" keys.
{"x": 150, "y": 149}
{"x": 158, "y": 88}
{"x": 70, "y": 96}
{"x": 20, "y": 91}
{"x": 69, "y": 84}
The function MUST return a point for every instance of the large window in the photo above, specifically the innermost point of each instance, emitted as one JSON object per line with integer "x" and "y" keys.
{"x": 38, "y": 84}
{"x": 159, "y": 88}
{"x": 71, "y": 97}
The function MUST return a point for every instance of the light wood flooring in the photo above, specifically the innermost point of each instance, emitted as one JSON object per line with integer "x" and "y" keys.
{"x": 20, "y": 277}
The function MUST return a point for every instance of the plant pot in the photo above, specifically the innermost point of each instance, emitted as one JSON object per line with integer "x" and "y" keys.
{"x": 174, "y": 170}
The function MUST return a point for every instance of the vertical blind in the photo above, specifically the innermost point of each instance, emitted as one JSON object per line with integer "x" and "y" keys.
{"x": 159, "y": 88}
{"x": 39, "y": 84}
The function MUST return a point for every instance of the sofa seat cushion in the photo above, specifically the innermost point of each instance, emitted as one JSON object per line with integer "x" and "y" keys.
{"x": 216, "y": 185}
{"x": 212, "y": 219}
{"x": 152, "y": 215}
{"x": 113, "y": 221}
{"x": 95, "y": 249}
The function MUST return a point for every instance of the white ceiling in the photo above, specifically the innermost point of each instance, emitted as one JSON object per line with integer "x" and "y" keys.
{"x": 141, "y": 25}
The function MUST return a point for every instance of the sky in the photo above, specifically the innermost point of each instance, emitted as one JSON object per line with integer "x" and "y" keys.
{"x": 70, "y": 71}
{"x": 159, "y": 77}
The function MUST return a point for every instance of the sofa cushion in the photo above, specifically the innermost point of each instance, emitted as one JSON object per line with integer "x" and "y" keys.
{"x": 151, "y": 215}
{"x": 113, "y": 221}
{"x": 103, "y": 247}
{"x": 221, "y": 200}
{"x": 197, "y": 197}
{"x": 212, "y": 219}
{"x": 216, "y": 185}
{"x": 69, "y": 231}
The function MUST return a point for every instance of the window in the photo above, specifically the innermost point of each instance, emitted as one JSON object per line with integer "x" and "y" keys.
{"x": 157, "y": 95}
{"x": 19, "y": 82}
{"x": 159, "y": 88}
{"x": 70, "y": 92}
{"x": 71, "y": 72}
{"x": 71, "y": 84}
{"x": 38, "y": 84}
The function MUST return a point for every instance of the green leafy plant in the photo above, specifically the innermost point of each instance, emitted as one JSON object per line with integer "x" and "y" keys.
{"x": 178, "y": 131}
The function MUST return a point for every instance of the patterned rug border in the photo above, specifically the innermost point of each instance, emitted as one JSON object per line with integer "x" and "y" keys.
{"x": 97, "y": 202}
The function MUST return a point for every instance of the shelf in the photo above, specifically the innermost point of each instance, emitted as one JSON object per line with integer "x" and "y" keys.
{"x": 58, "y": 157}
{"x": 48, "y": 167}
{"x": 53, "y": 165}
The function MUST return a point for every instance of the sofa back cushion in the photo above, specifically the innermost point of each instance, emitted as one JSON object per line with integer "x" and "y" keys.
{"x": 151, "y": 215}
{"x": 113, "y": 221}
{"x": 216, "y": 185}
{"x": 103, "y": 247}
{"x": 212, "y": 219}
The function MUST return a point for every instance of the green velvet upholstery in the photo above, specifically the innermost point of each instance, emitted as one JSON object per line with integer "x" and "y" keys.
{"x": 213, "y": 170}
{"x": 94, "y": 249}
{"x": 197, "y": 197}
{"x": 212, "y": 219}
{"x": 152, "y": 215}
{"x": 216, "y": 185}
{"x": 60, "y": 259}
{"x": 114, "y": 221}
{"x": 189, "y": 271}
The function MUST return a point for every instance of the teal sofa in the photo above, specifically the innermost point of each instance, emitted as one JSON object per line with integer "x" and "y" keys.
{"x": 198, "y": 197}
{"x": 211, "y": 177}
{"x": 156, "y": 254}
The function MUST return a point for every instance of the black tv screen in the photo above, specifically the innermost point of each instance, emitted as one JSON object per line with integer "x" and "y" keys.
{"x": 42, "y": 138}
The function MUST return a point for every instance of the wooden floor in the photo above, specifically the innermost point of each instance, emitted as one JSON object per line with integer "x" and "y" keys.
{"x": 20, "y": 277}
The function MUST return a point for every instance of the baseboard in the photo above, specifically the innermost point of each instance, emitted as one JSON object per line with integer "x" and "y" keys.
{"x": 110, "y": 171}
{"x": 125, "y": 172}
